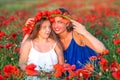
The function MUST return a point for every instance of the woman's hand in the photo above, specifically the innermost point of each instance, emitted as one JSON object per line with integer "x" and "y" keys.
{"x": 90, "y": 40}
{"x": 78, "y": 27}
{"x": 29, "y": 20}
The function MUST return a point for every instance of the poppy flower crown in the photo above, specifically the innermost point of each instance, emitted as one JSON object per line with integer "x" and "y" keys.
{"x": 27, "y": 29}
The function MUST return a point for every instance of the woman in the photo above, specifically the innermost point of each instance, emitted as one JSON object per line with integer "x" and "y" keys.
{"x": 40, "y": 48}
{"x": 78, "y": 44}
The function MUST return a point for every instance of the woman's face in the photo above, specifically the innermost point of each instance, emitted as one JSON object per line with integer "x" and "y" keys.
{"x": 59, "y": 25}
{"x": 45, "y": 29}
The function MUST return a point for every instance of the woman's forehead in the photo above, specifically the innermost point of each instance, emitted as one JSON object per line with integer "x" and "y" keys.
{"x": 58, "y": 18}
{"x": 61, "y": 19}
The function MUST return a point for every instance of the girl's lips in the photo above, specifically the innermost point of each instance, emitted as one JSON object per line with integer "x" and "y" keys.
{"x": 48, "y": 33}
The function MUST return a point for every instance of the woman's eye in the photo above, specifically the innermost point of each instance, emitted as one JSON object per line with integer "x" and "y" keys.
{"x": 44, "y": 27}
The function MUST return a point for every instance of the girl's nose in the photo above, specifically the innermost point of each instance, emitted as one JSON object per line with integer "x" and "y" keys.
{"x": 48, "y": 29}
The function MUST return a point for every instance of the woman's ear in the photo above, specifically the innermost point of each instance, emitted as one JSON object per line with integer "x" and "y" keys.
{"x": 69, "y": 26}
{"x": 68, "y": 23}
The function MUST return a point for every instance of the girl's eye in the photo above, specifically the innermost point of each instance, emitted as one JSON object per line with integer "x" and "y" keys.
{"x": 44, "y": 27}
{"x": 60, "y": 22}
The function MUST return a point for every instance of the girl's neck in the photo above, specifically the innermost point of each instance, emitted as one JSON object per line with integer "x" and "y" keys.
{"x": 38, "y": 39}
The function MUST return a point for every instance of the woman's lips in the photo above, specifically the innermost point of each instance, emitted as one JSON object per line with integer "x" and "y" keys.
{"x": 57, "y": 29}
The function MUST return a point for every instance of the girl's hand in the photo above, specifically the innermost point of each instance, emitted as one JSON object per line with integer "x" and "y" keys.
{"x": 78, "y": 27}
{"x": 29, "y": 20}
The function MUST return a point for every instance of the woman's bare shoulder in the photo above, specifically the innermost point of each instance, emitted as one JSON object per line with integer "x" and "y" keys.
{"x": 79, "y": 38}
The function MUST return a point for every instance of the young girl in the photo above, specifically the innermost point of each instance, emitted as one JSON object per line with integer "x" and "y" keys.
{"x": 41, "y": 48}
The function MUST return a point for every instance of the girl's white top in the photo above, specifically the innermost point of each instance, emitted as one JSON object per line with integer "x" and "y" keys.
{"x": 43, "y": 61}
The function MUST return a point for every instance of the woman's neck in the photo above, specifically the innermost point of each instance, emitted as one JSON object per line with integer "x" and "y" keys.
{"x": 64, "y": 35}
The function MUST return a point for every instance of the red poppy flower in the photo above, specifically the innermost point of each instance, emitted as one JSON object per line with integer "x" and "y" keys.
{"x": 26, "y": 30}
{"x": 1, "y": 77}
{"x": 57, "y": 66}
{"x": 52, "y": 19}
{"x": 116, "y": 75}
{"x": 116, "y": 41}
{"x": 8, "y": 45}
{"x": 30, "y": 70}
{"x": 10, "y": 70}
{"x": 103, "y": 61}
{"x": 1, "y": 46}
{"x": 105, "y": 52}
{"x": 83, "y": 73}
{"x": 68, "y": 67}
{"x": 17, "y": 50}
{"x": 11, "y": 18}
{"x": 90, "y": 18}
{"x": 59, "y": 69}
{"x": 118, "y": 50}
{"x": 103, "y": 64}
{"x": 2, "y": 33}
{"x": 93, "y": 58}
{"x": 98, "y": 32}
{"x": 58, "y": 74}
{"x": 113, "y": 66}
{"x": 72, "y": 74}
{"x": 73, "y": 67}
{"x": 13, "y": 35}
{"x": 79, "y": 19}
{"x": 118, "y": 66}
{"x": 111, "y": 13}
{"x": 6, "y": 22}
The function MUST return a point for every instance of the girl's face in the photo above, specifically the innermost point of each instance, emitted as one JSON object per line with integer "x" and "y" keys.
{"x": 45, "y": 29}
{"x": 59, "y": 25}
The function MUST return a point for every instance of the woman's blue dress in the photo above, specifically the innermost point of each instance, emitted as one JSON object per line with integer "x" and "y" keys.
{"x": 78, "y": 55}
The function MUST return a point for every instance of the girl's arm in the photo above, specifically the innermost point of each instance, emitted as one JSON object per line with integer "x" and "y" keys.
{"x": 25, "y": 38}
{"x": 24, "y": 52}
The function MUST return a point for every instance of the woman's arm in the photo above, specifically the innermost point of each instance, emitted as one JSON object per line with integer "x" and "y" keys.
{"x": 59, "y": 52}
{"x": 90, "y": 40}
{"x": 24, "y": 52}
{"x": 27, "y": 35}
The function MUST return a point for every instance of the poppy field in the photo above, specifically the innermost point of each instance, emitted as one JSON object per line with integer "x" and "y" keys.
{"x": 101, "y": 18}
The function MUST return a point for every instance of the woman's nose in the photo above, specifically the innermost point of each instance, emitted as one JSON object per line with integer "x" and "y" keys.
{"x": 54, "y": 25}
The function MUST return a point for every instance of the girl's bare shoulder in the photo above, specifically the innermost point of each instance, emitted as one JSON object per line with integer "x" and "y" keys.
{"x": 26, "y": 43}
